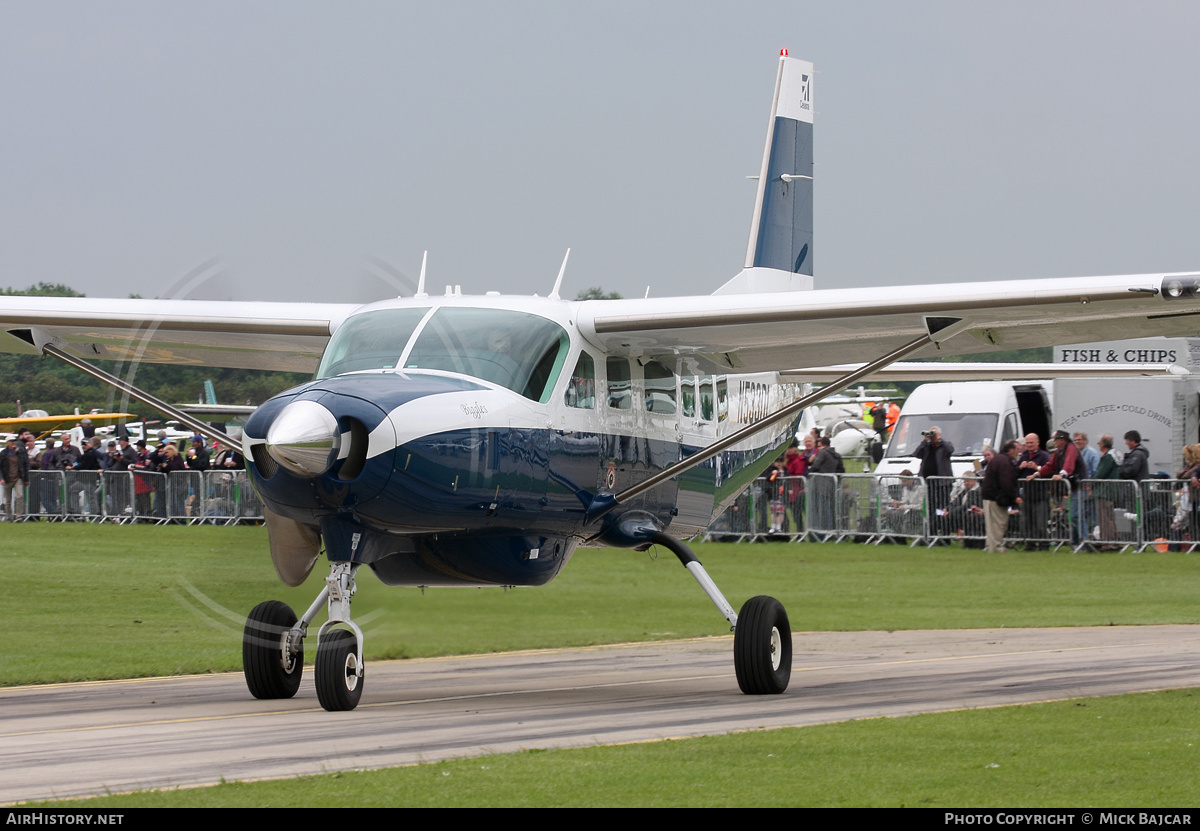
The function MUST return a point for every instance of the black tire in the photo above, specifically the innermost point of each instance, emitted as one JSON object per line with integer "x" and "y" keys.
{"x": 762, "y": 647}
{"x": 339, "y": 687}
{"x": 269, "y": 672}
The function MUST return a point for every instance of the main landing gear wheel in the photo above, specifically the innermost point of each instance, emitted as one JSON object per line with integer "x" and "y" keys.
{"x": 339, "y": 678}
{"x": 271, "y": 669}
{"x": 762, "y": 647}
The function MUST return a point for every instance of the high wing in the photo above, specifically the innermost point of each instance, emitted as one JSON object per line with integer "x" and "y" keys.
{"x": 240, "y": 335}
{"x": 793, "y": 330}
{"x": 777, "y": 331}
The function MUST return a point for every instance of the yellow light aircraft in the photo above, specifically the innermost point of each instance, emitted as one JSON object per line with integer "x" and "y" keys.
{"x": 44, "y": 424}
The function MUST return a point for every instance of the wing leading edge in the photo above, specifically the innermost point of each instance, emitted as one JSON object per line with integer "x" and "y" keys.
{"x": 240, "y": 335}
{"x": 793, "y": 330}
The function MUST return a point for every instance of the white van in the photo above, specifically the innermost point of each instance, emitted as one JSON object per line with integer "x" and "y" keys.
{"x": 972, "y": 415}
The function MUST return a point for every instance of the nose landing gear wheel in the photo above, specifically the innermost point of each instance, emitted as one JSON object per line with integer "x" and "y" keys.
{"x": 271, "y": 669}
{"x": 339, "y": 684}
{"x": 762, "y": 647}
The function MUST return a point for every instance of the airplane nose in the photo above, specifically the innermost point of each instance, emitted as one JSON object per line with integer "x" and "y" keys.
{"x": 304, "y": 438}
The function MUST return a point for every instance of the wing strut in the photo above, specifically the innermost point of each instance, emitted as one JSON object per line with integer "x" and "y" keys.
{"x": 146, "y": 398}
{"x": 938, "y": 330}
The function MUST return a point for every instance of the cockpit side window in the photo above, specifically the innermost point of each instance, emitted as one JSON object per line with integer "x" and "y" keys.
{"x": 372, "y": 340}
{"x": 581, "y": 389}
{"x": 519, "y": 351}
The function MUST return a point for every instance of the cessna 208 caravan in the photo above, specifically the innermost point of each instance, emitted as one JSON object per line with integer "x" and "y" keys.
{"x": 479, "y": 440}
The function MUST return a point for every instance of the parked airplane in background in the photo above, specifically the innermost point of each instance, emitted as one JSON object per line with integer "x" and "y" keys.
{"x": 228, "y": 418}
{"x": 478, "y": 440}
{"x": 44, "y": 424}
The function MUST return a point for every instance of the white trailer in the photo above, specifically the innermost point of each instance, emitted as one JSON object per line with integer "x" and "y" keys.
{"x": 1165, "y": 411}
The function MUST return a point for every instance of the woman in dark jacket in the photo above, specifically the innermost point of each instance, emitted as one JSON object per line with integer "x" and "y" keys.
{"x": 1105, "y": 497}
{"x": 169, "y": 461}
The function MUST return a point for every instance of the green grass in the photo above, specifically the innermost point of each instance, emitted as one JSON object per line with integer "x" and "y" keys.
{"x": 90, "y": 602}
{"x": 1124, "y": 751}
{"x": 110, "y": 602}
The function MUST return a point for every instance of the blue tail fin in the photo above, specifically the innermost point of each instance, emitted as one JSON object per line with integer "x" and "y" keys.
{"x": 780, "y": 256}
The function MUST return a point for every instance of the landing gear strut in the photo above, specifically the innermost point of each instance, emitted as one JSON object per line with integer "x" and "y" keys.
{"x": 339, "y": 667}
{"x": 762, "y": 637}
{"x": 273, "y": 646}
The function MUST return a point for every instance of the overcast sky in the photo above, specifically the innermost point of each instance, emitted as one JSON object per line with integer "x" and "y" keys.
{"x": 301, "y": 150}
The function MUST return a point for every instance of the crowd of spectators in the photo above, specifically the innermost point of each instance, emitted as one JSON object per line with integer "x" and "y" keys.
{"x": 21, "y": 455}
{"x": 1014, "y": 491}
{"x": 1011, "y": 494}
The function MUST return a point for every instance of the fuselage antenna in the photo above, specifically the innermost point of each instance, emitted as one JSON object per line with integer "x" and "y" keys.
{"x": 421, "y": 279}
{"x": 561, "y": 272}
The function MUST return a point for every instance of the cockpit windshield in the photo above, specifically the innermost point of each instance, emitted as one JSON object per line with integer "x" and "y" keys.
{"x": 373, "y": 340}
{"x": 520, "y": 351}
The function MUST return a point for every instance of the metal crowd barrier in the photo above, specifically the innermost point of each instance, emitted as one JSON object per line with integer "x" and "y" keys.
{"x": 1168, "y": 513}
{"x": 1110, "y": 514}
{"x": 858, "y": 502}
{"x": 1046, "y": 515}
{"x": 118, "y": 495}
{"x": 149, "y": 496}
{"x": 46, "y": 494}
{"x": 958, "y": 512}
{"x": 902, "y": 506}
{"x": 222, "y": 497}
{"x": 184, "y": 488}
{"x": 84, "y": 495}
{"x": 736, "y": 523}
{"x": 822, "y": 507}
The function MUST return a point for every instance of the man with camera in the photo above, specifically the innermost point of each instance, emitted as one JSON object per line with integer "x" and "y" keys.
{"x": 935, "y": 453}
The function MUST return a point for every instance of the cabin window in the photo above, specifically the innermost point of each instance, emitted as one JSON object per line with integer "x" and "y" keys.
{"x": 372, "y": 340}
{"x": 722, "y": 400}
{"x": 706, "y": 399}
{"x": 660, "y": 388}
{"x": 581, "y": 389}
{"x": 620, "y": 388}
{"x": 515, "y": 350}
{"x": 687, "y": 396}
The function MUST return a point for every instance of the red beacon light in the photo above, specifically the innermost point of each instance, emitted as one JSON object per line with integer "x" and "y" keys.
{"x": 783, "y": 52}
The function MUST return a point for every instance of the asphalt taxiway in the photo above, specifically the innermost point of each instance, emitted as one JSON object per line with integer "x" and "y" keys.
{"x": 74, "y": 739}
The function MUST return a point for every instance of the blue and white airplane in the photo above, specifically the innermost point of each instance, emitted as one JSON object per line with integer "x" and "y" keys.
{"x": 462, "y": 440}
